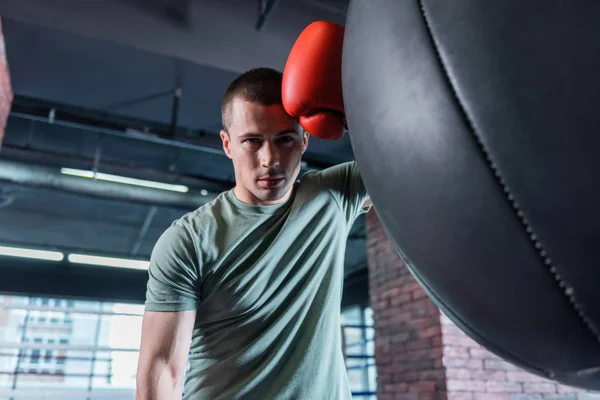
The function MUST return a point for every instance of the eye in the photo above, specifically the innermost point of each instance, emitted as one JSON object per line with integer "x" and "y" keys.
{"x": 286, "y": 139}
{"x": 252, "y": 141}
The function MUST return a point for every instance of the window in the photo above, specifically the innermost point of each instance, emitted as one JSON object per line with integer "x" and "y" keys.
{"x": 48, "y": 357}
{"x": 35, "y": 356}
{"x": 359, "y": 351}
{"x": 55, "y": 350}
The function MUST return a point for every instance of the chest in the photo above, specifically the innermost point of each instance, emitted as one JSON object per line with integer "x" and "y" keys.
{"x": 262, "y": 263}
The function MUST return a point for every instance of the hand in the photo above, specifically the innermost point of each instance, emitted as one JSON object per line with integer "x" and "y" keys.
{"x": 312, "y": 81}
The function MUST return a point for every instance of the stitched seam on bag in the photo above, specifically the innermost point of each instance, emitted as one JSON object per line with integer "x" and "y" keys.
{"x": 565, "y": 288}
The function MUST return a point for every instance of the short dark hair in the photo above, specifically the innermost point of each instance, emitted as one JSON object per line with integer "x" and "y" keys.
{"x": 258, "y": 85}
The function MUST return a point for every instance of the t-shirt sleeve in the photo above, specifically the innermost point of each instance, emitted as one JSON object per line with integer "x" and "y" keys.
{"x": 173, "y": 274}
{"x": 346, "y": 185}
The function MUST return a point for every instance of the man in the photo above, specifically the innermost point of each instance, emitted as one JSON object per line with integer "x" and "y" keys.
{"x": 246, "y": 290}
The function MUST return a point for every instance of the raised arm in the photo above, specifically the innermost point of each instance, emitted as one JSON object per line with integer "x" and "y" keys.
{"x": 163, "y": 356}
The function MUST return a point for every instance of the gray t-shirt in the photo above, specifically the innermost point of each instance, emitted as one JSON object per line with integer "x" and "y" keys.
{"x": 266, "y": 282}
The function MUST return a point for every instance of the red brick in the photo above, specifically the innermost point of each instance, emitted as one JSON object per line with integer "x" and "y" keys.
{"x": 456, "y": 352}
{"x": 411, "y": 286}
{"x": 455, "y": 339}
{"x": 434, "y": 374}
{"x": 464, "y": 363}
{"x": 413, "y": 344}
{"x": 395, "y": 388}
{"x": 500, "y": 365}
{"x": 465, "y": 385}
{"x": 431, "y": 331}
{"x": 422, "y": 365}
{"x": 436, "y": 341}
{"x": 433, "y": 396}
{"x": 399, "y": 299}
{"x": 488, "y": 375}
{"x": 492, "y": 396}
{"x": 539, "y": 387}
{"x": 418, "y": 294}
{"x": 503, "y": 387}
{"x": 459, "y": 373}
{"x": 460, "y": 396}
{"x": 522, "y": 376}
{"x": 406, "y": 376}
{"x": 393, "y": 292}
{"x": 479, "y": 353}
{"x": 405, "y": 396}
{"x": 423, "y": 387}
{"x": 400, "y": 337}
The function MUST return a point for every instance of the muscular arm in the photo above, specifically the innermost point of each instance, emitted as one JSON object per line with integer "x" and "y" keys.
{"x": 163, "y": 356}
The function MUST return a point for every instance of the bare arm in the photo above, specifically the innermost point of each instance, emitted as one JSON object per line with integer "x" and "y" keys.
{"x": 164, "y": 351}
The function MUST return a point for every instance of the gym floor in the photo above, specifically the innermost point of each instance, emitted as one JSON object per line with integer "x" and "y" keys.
{"x": 132, "y": 90}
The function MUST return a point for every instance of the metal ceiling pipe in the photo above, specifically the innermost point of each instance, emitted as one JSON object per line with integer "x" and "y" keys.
{"x": 35, "y": 175}
{"x": 131, "y": 134}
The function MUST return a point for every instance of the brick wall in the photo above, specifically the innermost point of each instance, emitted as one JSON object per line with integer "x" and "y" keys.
{"x": 420, "y": 354}
{"x": 408, "y": 333}
{"x": 6, "y": 93}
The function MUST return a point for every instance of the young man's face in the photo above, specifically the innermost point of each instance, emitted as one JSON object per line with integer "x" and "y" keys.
{"x": 266, "y": 146}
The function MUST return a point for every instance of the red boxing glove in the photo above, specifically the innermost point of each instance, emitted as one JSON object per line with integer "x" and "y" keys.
{"x": 312, "y": 80}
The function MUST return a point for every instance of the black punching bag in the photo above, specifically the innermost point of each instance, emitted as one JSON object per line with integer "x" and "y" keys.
{"x": 476, "y": 125}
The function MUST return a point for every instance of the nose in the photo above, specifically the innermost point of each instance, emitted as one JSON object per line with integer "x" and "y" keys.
{"x": 269, "y": 155}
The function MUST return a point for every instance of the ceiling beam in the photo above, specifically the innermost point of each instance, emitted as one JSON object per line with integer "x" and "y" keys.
{"x": 35, "y": 175}
{"x": 55, "y": 160}
{"x": 93, "y": 121}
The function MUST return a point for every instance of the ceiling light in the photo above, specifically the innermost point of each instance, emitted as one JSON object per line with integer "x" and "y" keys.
{"x": 122, "y": 179}
{"x": 31, "y": 253}
{"x": 107, "y": 261}
{"x": 204, "y": 192}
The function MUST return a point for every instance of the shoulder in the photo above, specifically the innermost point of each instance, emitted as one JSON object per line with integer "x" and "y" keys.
{"x": 334, "y": 172}
{"x": 194, "y": 225}
{"x": 203, "y": 216}
{"x": 332, "y": 178}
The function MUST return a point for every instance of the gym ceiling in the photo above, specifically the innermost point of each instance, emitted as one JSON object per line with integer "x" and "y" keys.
{"x": 129, "y": 88}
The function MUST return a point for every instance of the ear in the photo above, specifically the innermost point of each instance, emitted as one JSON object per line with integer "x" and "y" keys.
{"x": 226, "y": 142}
{"x": 305, "y": 141}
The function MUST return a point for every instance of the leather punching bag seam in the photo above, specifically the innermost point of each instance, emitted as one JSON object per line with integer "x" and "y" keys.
{"x": 566, "y": 289}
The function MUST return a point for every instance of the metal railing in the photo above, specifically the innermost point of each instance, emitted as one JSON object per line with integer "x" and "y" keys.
{"x": 87, "y": 367}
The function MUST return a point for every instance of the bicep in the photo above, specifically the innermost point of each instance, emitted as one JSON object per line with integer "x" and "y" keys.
{"x": 166, "y": 338}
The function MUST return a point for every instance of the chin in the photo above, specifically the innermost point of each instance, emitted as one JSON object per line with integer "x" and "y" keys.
{"x": 271, "y": 195}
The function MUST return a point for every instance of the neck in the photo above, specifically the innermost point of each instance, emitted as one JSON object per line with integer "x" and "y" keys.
{"x": 245, "y": 196}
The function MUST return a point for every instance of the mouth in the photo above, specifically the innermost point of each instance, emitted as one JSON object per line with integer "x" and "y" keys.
{"x": 270, "y": 181}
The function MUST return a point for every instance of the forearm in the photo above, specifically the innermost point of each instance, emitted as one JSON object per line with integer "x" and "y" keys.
{"x": 159, "y": 383}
